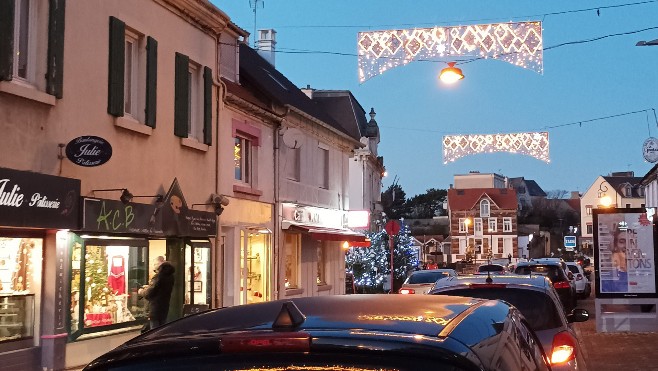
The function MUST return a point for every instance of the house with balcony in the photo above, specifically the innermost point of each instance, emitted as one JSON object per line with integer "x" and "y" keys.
{"x": 483, "y": 224}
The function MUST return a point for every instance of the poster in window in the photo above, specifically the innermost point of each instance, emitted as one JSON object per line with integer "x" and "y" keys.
{"x": 198, "y": 286}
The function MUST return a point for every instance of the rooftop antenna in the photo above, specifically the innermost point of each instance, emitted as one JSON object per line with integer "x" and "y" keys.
{"x": 253, "y": 4}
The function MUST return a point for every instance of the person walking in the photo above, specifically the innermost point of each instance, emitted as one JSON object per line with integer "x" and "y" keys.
{"x": 158, "y": 294}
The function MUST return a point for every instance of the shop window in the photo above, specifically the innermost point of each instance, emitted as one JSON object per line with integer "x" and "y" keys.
{"x": 321, "y": 275}
{"x": 292, "y": 251}
{"x": 105, "y": 277}
{"x": 20, "y": 286}
{"x": 254, "y": 265}
{"x": 198, "y": 289}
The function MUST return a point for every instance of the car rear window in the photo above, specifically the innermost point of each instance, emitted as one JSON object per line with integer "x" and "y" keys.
{"x": 537, "y": 307}
{"x": 491, "y": 268}
{"x": 573, "y": 269}
{"x": 426, "y": 277}
{"x": 551, "y": 271}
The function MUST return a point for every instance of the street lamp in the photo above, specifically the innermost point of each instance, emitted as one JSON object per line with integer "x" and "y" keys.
{"x": 604, "y": 199}
{"x": 647, "y": 43}
{"x": 467, "y": 222}
{"x": 451, "y": 74}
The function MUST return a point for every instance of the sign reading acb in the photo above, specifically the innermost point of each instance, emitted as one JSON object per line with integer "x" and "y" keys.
{"x": 569, "y": 242}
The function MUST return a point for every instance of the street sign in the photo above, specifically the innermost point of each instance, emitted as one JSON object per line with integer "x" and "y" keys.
{"x": 392, "y": 227}
{"x": 569, "y": 242}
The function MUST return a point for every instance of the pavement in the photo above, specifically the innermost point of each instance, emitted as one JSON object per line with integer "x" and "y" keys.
{"x": 625, "y": 351}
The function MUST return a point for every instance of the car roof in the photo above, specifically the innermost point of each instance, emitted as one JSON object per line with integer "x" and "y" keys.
{"x": 540, "y": 262}
{"x": 537, "y": 281}
{"x": 433, "y": 270}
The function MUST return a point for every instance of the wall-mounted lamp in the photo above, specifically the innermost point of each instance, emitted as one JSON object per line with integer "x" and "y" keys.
{"x": 127, "y": 197}
{"x": 218, "y": 202}
{"x": 451, "y": 74}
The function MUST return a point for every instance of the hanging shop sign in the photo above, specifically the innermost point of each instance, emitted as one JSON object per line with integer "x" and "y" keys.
{"x": 113, "y": 216}
{"x": 650, "y": 149}
{"x": 36, "y": 200}
{"x": 180, "y": 220}
{"x": 89, "y": 151}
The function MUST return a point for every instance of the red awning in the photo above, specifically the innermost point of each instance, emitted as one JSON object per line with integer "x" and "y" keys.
{"x": 326, "y": 234}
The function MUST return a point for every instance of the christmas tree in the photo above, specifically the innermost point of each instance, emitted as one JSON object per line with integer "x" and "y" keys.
{"x": 96, "y": 273}
{"x": 371, "y": 265}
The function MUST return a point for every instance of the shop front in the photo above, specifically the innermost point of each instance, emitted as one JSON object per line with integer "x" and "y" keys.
{"x": 35, "y": 209}
{"x": 313, "y": 244}
{"x": 116, "y": 252}
{"x": 248, "y": 255}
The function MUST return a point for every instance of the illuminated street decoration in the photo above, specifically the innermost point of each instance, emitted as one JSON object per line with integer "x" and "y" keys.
{"x": 518, "y": 43}
{"x": 531, "y": 144}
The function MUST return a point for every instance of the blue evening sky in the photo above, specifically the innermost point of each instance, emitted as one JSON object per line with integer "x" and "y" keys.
{"x": 581, "y": 82}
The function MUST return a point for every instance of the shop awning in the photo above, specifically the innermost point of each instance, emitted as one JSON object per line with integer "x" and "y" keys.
{"x": 325, "y": 234}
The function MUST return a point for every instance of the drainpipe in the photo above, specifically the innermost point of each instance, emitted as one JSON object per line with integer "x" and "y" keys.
{"x": 276, "y": 236}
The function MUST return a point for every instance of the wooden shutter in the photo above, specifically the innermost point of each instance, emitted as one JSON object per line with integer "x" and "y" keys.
{"x": 181, "y": 95}
{"x": 207, "y": 105}
{"x": 55, "y": 74}
{"x": 6, "y": 39}
{"x": 116, "y": 67}
{"x": 151, "y": 80}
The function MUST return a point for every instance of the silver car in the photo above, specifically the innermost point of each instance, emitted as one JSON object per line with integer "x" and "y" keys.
{"x": 419, "y": 282}
{"x": 583, "y": 286}
{"x": 539, "y": 303}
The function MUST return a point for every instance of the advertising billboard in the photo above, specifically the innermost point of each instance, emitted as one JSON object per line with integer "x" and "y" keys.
{"x": 624, "y": 244}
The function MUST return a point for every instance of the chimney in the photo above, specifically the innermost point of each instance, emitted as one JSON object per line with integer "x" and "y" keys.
{"x": 266, "y": 44}
{"x": 575, "y": 194}
{"x": 308, "y": 91}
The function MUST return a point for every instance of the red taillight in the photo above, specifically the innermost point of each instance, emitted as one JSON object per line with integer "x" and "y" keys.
{"x": 279, "y": 342}
{"x": 407, "y": 291}
{"x": 562, "y": 285}
{"x": 564, "y": 348}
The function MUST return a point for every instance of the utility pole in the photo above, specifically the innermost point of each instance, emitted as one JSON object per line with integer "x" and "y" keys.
{"x": 254, "y": 5}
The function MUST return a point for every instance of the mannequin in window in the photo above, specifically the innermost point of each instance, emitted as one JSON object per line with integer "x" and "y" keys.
{"x": 117, "y": 275}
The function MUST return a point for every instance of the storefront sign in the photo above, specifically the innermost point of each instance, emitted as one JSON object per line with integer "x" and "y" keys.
{"x": 179, "y": 220}
{"x": 36, "y": 200}
{"x": 650, "y": 149}
{"x": 625, "y": 254}
{"x": 111, "y": 216}
{"x": 89, "y": 151}
{"x": 315, "y": 215}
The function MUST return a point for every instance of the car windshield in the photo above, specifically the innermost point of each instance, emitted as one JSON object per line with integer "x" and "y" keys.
{"x": 426, "y": 277}
{"x": 537, "y": 307}
{"x": 550, "y": 271}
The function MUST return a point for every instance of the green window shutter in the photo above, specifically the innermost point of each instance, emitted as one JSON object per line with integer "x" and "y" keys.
{"x": 55, "y": 75}
{"x": 181, "y": 95}
{"x": 116, "y": 68}
{"x": 207, "y": 105}
{"x": 6, "y": 39}
{"x": 151, "y": 80}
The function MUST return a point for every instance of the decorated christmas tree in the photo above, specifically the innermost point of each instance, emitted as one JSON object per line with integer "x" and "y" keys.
{"x": 96, "y": 276}
{"x": 371, "y": 265}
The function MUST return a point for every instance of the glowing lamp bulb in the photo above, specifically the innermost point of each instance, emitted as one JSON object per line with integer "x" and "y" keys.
{"x": 451, "y": 74}
{"x": 606, "y": 201}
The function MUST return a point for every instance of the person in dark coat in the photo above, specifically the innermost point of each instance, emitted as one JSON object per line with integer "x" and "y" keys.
{"x": 158, "y": 294}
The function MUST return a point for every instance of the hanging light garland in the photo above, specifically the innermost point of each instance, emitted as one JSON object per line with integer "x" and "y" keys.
{"x": 518, "y": 43}
{"x": 534, "y": 144}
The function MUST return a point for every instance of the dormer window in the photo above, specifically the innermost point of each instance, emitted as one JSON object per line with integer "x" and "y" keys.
{"x": 484, "y": 208}
{"x": 628, "y": 190}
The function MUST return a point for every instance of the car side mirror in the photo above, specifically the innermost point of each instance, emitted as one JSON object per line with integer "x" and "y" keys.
{"x": 578, "y": 315}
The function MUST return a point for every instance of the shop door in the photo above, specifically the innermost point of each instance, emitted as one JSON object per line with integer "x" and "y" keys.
{"x": 198, "y": 289}
{"x": 254, "y": 266}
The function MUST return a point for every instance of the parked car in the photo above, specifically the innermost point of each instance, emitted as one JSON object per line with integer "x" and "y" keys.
{"x": 539, "y": 303}
{"x": 418, "y": 282}
{"x": 554, "y": 270}
{"x": 491, "y": 269}
{"x": 355, "y": 332}
{"x": 583, "y": 286}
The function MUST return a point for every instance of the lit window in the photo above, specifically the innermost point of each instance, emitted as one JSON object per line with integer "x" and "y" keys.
{"x": 463, "y": 225}
{"x": 493, "y": 225}
{"x": 484, "y": 208}
{"x": 292, "y": 249}
{"x": 507, "y": 224}
{"x": 242, "y": 159}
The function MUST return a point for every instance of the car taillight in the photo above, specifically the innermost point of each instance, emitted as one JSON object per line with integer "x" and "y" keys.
{"x": 564, "y": 348}
{"x": 561, "y": 285}
{"x": 407, "y": 291}
{"x": 278, "y": 342}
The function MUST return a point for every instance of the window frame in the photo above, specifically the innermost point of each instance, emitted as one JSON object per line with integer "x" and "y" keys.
{"x": 485, "y": 208}
{"x": 588, "y": 209}
{"x": 507, "y": 224}
{"x": 323, "y": 166}
{"x": 30, "y": 44}
{"x": 478, "y": 228}
{"x": 589, "y": 228}
{"x": 495, "y": 224}
{"x": 463, "y": 228}
{"x": 295, "y": 247}
{"x": 321, "y": 254}
{"x": 132, "y": 77}
{"x": 194, "y": 102}
{"x": 293, "y": 164}
{"x": 246, "y": 159}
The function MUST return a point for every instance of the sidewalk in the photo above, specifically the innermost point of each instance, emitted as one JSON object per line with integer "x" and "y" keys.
{"x": 606, "y": 351}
